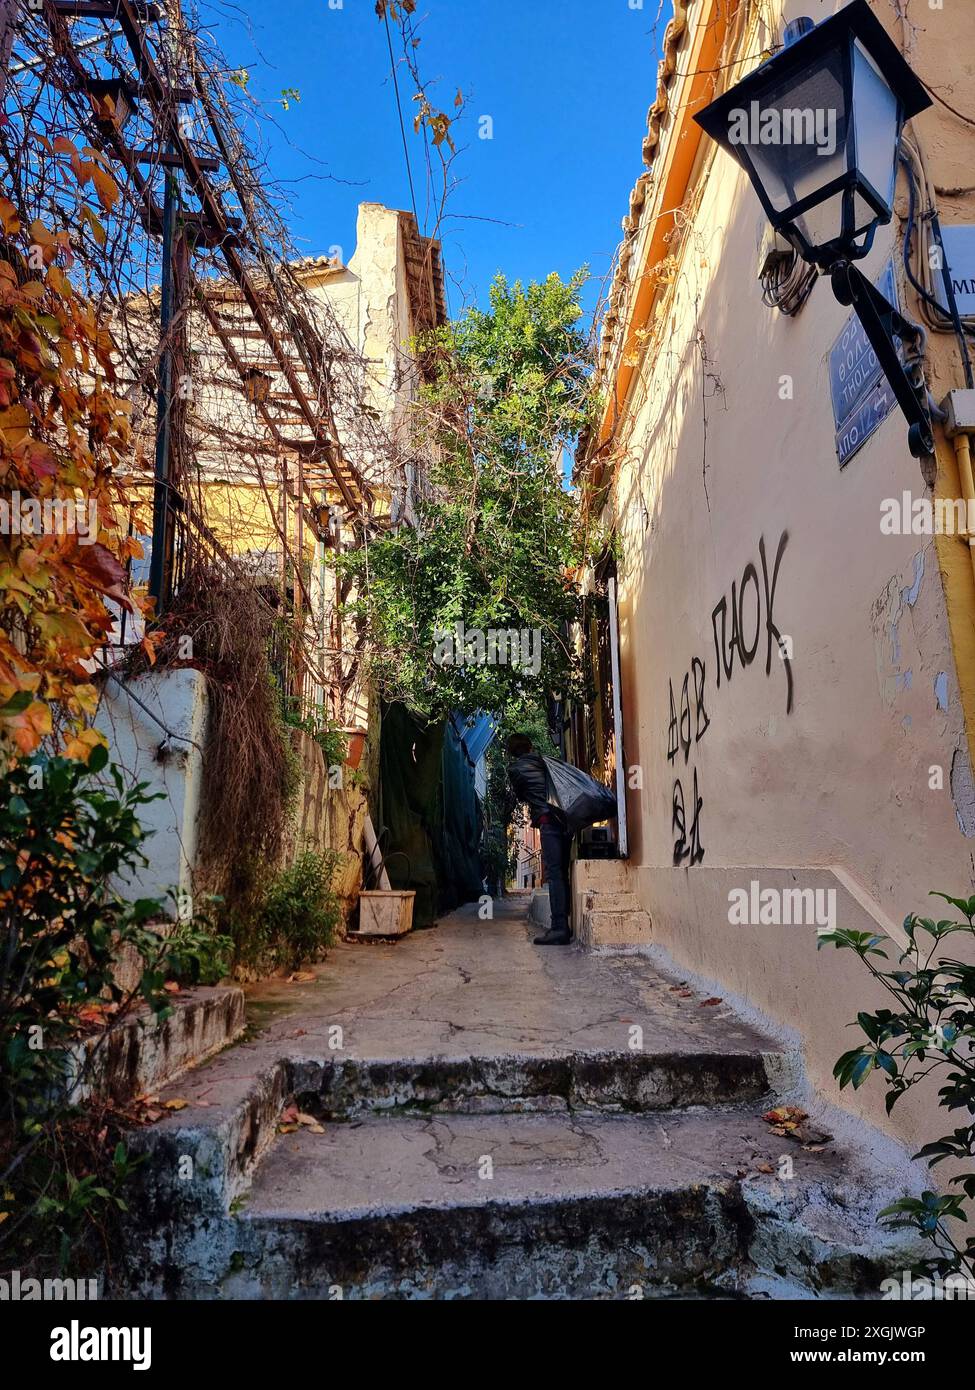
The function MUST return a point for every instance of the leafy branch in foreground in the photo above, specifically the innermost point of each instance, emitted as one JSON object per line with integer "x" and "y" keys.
{"x": 65, "y": 839}
{"x": 65, "y": 439}
{"x": 497, "y": 537}
{"x": 930, "y": 1030}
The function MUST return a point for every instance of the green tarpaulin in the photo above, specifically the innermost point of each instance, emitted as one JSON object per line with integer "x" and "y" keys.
{"x": 429, "y": 811}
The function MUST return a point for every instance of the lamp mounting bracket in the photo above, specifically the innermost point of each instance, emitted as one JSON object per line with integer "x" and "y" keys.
{"x": 883, "y": 322}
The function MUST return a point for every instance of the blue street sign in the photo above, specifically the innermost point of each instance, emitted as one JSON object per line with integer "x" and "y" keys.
{"x": 861, "y": 397}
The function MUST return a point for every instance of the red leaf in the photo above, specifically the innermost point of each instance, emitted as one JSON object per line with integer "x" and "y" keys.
{"x": 105, "y": 572}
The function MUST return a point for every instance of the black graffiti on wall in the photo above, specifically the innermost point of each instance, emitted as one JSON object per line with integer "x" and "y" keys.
{"x": 738, "y": 624}
{"x": 680, "y": 730}
{"x": 687, "y": 839}
{"x": 749, "y": 611}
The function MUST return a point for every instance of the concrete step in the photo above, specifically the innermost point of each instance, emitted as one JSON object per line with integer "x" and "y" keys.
{"x": 616, "y": 1110}
{"x": 143, "y": 1053}
{"x": 599, "y": 928}
{"x": 230, "y": 1110}
{"x": 628, "y": 1082}
{"x": 598, "y": 900}
{"x": 536, "y": 1206}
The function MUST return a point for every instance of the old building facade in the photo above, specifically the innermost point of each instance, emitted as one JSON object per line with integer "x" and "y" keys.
{"x": 797, "y": 659}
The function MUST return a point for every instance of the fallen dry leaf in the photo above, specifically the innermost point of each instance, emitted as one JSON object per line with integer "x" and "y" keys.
{"x": 706, "y": 1002}
{"x": 789, "y": 1122}
{"x": 785, "y": 1115}
{"x": 176, "y": 1104}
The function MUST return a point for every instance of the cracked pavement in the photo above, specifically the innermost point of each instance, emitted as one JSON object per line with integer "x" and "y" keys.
{"x": 470, "y": 988}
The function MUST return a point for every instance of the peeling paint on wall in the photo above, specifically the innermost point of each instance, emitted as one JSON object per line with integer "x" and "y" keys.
{"x": 909, "y": 596}
{"x": 963, "y": 790}
{"x": 941, "y": 689}
{"x": 885, "y": 617}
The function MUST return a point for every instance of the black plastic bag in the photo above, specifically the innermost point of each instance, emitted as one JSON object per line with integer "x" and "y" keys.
{"x": 581, "y": 799}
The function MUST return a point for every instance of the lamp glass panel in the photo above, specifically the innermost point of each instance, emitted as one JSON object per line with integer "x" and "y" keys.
{"x": 797, "y": 136}
{"x": 864, "y": 215}
{"x": 877, "y": 119}
{"x": 824, "y": 222}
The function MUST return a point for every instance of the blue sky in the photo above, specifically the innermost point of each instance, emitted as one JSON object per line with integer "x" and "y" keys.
{"x": 567, "y": 84}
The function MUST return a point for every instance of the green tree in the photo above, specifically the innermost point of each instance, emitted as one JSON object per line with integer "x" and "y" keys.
{"x": 497, "y": 540}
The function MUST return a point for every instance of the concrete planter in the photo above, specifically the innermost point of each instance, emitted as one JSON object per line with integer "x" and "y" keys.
{"x": 386, "y": 912}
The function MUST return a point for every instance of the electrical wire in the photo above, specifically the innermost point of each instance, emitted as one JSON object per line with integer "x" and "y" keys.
{"x": 399, "y": 108}
{"x": 969, "y": 120}
{"x": 942, "y": 317}
{"x": 787, "y": 282}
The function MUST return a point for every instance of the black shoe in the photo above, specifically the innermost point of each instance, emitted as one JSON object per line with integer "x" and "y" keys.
{"x": 553, "y": 938}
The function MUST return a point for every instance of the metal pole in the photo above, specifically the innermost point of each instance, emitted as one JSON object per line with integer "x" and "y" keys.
{"x": 614, "y": 656}
{"x": 159, "y": 561}
{"x": 9, "y": 17}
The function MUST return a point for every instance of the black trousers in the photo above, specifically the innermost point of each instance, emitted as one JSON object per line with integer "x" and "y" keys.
{"x": 556, "y": 845}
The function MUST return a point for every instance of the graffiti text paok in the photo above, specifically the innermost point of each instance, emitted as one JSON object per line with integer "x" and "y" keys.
{"x": 739, "y": 623}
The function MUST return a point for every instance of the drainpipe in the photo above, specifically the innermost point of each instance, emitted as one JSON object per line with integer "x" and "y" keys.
{"x": 963, "y": 453}
{"x": 160, "y": 559}
{"x": 959, "y": 409}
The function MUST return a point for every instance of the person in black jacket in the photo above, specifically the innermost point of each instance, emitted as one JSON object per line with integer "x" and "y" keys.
{"x": 526, "y": 774}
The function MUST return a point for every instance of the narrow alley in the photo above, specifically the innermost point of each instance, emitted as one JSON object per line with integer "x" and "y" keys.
{"x": 487, "y": 671}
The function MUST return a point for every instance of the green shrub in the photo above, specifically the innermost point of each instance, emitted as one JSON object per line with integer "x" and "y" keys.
{"x": 329, "y": 736}
{"x": 294, "y": 917}
{"x": 930, "y": 1030}
{"x": 65, "y": 837}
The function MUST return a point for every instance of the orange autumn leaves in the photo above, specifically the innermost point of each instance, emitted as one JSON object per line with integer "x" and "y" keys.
{"x": 64, "y": 436}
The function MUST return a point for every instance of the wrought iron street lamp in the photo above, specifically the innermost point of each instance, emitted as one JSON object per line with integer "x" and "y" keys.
{"x": 817, "y": 128}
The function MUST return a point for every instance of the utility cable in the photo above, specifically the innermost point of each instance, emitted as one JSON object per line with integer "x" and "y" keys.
{"x": 399, "y": 108}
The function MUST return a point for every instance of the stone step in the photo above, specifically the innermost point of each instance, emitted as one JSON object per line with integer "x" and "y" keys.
{"x": 540, "y": 1206}
{"x": 496, "y": 1120}
{"x": 228, "y": 1118}
{"x": 144, "y": 1053}
{"x": 598, "y": 900}
{"x": 599, "y": 928}
{"x": 630, "y": 1081}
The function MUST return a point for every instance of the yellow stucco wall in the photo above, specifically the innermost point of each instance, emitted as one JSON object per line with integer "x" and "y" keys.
{"x": 823, "y": 769}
